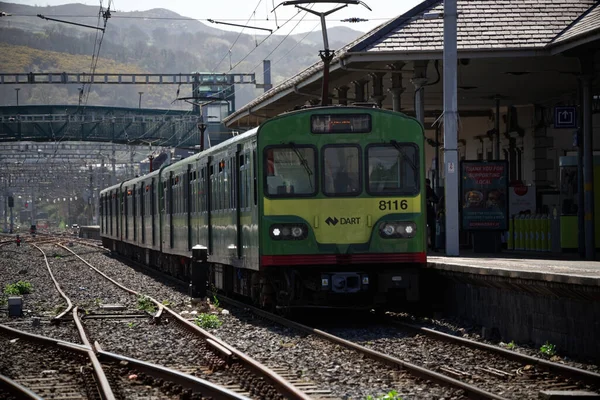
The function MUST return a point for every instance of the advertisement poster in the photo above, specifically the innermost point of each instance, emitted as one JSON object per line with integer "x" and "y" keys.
{"x": 521, "y": 198}
{"x": 484, "y": 195}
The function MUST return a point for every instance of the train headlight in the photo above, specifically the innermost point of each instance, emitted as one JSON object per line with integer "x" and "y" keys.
{"x": 388, "y": 230}
{"x": 297, "y": 231}
{"x": 288, "y": 231}
{"x": 397, "y": 229}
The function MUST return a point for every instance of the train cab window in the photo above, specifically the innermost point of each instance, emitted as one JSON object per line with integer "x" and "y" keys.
{"x": 393, "y": 169}
{"x": 290, "y": 171}
{"x": 341, "y": 170}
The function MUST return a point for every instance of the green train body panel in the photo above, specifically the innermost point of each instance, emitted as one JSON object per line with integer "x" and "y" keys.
{"x": 358, "y": 217}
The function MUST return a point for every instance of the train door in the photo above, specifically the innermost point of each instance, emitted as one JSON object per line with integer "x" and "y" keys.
{"x": 188, "y": 203}
{"x": 125, "y": 212}
{"x": 117, "y": 212}
{"x": 162, "y": 210}
{"x": 134, "y": 200}
{"x": 210, "y": 170}
{"x": 153, "y": 212}
{"x": 111, "y": 202}
{"x": 143, "y": 199}
{"x": 236, "y": 176}
{"x": 120, "y": 212}
{"x": 253, "y": 242}
{"x": 170, "y": 209}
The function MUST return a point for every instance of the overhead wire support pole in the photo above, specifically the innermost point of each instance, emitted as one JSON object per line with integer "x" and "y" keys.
{"x": 326, "y": 54}
{"x": 70, "y": 23}
{"x": 450, "y": 128}
{"x": 239, "y": 25}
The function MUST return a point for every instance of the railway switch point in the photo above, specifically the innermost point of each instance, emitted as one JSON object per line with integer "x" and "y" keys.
{"x": 15, "y": 306}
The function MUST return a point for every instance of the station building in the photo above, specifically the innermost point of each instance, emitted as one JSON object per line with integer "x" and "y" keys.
{"x": 524, "y": 70}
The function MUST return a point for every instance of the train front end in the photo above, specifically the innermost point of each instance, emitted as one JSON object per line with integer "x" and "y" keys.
{"x": 342, "y": 208}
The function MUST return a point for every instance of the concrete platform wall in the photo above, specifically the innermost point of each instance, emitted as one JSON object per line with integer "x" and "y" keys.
{"x": 528, "y": 312}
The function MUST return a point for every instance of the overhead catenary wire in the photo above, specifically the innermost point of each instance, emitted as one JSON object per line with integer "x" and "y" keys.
{"x": 267, "y": 37}
{"x": 105, "y": 15}
{"x": 98, "y": 44}
{"x": 248, "y": 54}
{"x": 186, "y": 18}
{"x": 237, "y": 38}
{"x": 280, "y": 43}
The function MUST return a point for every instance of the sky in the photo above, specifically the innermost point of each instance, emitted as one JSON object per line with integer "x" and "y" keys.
{"x": 256, "y": 12}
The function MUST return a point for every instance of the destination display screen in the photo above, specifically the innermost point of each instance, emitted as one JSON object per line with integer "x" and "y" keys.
{"x": 340, "y": 123}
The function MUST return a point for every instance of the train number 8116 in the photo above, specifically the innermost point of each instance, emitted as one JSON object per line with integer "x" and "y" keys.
{"x": 393, "y": 205}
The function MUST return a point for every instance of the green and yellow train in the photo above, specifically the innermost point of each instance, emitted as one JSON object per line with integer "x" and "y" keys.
{"x": 319, "y": 207}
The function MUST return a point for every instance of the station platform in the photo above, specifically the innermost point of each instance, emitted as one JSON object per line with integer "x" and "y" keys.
{"x": 546, "y": 267}
{"x": 527, "y": 297}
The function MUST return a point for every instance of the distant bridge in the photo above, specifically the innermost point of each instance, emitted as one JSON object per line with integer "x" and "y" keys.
{"x": 201, "y": 78}
{"x": 122, "y": 125}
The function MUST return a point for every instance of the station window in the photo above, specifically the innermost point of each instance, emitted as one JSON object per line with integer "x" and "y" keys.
{"x": 393, "y": 169}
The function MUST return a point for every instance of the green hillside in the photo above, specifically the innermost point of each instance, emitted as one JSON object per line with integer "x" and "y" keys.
{"x": 155, "y": 45}
{"x": 21, "y": 58}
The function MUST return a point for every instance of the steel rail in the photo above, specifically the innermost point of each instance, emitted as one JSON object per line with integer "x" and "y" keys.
{"x": 285, "y": 388}
{"x": 44, "y": 340}
{"x": 561, "y": 369}
{"x": 472, "y": 391}
{"x": 188, "y": 381}
{"x": 105, "y": 390}
{"x": 63, "y": 295}
{"x": 17, "y": 389}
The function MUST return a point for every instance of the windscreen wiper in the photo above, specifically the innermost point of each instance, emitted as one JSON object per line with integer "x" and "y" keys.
{"x": 403, "y": 154}
{"x": 303, "y": 162}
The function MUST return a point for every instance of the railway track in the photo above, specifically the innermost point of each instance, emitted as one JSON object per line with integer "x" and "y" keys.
{"x": 531, "y": 371}
{"x": 68, "y": 371}
{"x": 64, "y": 371}
{"x": 499, "y": 382}
{"x": 529, "y": 376}
{"x": 253, "y": 378}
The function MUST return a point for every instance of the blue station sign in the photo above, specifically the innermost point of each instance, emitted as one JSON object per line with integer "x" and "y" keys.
{"x": 565, "y": 117}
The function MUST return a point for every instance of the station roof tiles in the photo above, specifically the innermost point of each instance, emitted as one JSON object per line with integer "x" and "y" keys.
{"x": 485, "y": 25}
